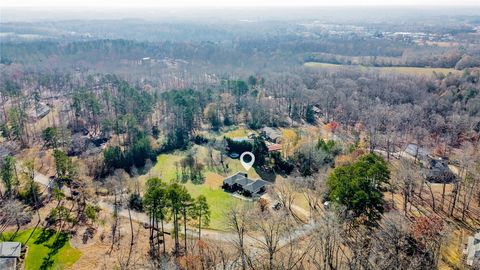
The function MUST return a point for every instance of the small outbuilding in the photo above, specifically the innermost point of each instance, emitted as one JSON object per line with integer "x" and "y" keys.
{"x": 9, "y": 254}
{"x": 472, "y": 250}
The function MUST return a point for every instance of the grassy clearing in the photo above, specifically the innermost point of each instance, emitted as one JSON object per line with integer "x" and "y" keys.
{"x": 47, "y": 250}
{"x": 401, "y": 70}
{"x": 451, "y": 252}
{"x": 238, "y": 132}
{"x": 218, "y": 200}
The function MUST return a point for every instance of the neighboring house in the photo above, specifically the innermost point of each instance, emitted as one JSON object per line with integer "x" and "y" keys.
{"x": 9, "y": 254}
{"x": 417, "y": 151}
{"x": 274, "y": 147}
{"x": 38, "y": 111}
{"x": 42, "y": 111}
{"x": 271, "y": 134}
{"x": 240, "y": 182}
{"x": 439, "y": 172}
{"x": 472, "y": 250}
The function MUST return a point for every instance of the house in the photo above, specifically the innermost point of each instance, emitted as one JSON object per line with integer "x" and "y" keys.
{"x": 417, "y": 151}
{"x": 38, "y": 111}
{"x": 9, "y": 254}
{"x": 316, "y": 109}
{"x": 438, "y": 171}
{"x": 472, "y": 250}
{"x": 240, "y": 182}
{"x": 271, "y": 134}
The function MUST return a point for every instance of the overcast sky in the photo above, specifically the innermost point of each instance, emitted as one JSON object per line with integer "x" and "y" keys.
{"x": 227, "y": 3}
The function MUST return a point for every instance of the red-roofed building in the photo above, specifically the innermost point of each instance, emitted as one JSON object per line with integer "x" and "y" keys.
{"x": 274, "y": 147}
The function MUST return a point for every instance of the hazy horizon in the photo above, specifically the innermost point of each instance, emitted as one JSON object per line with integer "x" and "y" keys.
{"x": 15, "y": 14}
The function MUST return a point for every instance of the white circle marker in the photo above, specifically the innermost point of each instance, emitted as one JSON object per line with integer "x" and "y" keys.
{"x": 247, "y": 165}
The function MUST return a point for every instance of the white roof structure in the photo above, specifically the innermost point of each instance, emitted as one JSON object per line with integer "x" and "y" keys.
{"x": 473, "y": 249}
{"x": 10, "y": 249}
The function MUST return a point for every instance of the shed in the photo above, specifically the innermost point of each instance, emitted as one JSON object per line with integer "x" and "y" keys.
{"x": 472, "y": 250}
{"x": 10, "y": 249}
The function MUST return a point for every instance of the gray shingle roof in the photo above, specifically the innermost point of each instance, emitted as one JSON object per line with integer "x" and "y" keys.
{"x": 473, "y": 249}
{"x": 238, "y": 178}
{"x": 272, "y": 133}
{"x": 10, "y": 249}
{"x": 256, "y": 186}
{"x": 241, "y": 179}
{"x": 8, "y": 263}
{"x": 412, "y": 149}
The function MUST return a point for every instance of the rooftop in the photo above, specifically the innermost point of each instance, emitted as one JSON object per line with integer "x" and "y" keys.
{"x": 272, "y": 133}
{"x": 241, "y": 180}
{"x": 8, "y": 263}
{"x": 473, "y": 249}
{"x": 10, "y": 249}
{"x": 415, "y": 149}
{"x": 274, "y": 147}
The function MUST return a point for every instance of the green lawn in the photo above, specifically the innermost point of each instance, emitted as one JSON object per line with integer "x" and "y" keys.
{"x": 402, "y": 70}
{"x": 218, "y": 200}
{"x": 47, "y": 250}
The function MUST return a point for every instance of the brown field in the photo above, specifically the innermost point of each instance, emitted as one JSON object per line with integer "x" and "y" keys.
{"x": 387, "y": 70}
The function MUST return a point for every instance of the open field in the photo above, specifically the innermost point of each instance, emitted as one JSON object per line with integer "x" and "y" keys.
{"x": 218, "y": 200}
{"x": 47, "y": 250}
{"x": 401, "y": 70}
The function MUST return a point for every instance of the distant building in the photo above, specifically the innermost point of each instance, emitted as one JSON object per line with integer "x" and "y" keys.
{"x": 472, "y": 250}
{"x": 316, "y": 109}
{"x": 240, "y": 182}
{"x": 439, "y": 172}
{"x": 274, "y": 147}
{"x": 271, "y": 134}
{"x": 38, "y": 111}
{"x": 9, "y": 254}
{"x": 417, "y": 151}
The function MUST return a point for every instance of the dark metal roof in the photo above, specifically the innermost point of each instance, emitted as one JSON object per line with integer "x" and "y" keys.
{"x": 238, "y": 178}
{"x": 256, "y": 186}
{"x": 241, "y": 179}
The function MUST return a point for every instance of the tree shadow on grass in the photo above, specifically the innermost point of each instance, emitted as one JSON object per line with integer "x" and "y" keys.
{"x": 44, "y": 236}
{"x": 59, "y": 242}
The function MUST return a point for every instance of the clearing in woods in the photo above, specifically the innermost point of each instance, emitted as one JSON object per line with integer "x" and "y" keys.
{"x": 425, "y": 71}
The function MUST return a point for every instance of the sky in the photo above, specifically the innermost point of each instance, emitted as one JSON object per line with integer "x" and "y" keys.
{"x": 231, "y": 3}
